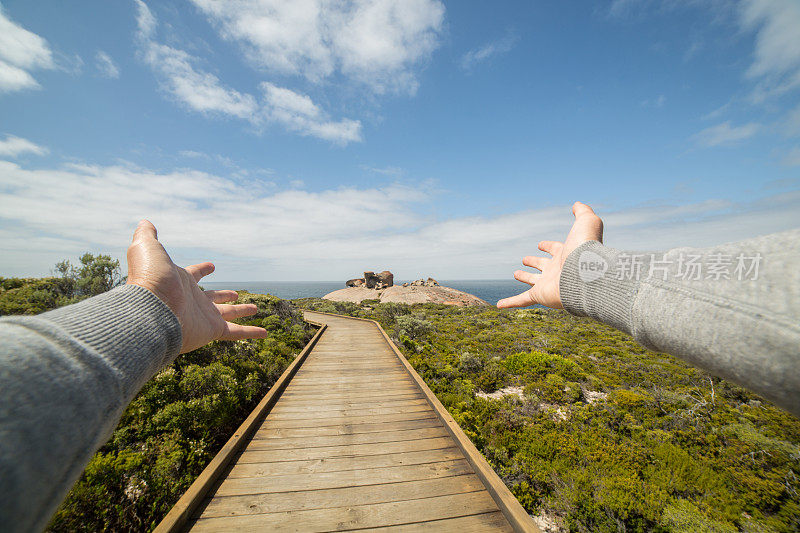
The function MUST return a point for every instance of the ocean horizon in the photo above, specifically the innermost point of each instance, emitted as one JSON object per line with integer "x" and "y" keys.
{"x": 490, "y": 290}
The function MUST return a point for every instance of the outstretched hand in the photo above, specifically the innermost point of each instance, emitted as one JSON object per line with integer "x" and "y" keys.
{"x": 203, "y": 315}
{"x": 544, "y": 287}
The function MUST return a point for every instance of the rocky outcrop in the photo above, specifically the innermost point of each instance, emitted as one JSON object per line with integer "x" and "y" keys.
{"x": 371, "y": 280}
{"x": 386, "y": 278}
{"x": 430, "y": 282}
{"x": 381, "y": 287}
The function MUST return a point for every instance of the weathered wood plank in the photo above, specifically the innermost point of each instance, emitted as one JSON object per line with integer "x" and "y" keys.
{"x": 352, "y": 421}
{"x": 328, "y": 414}
{"x": 349, "y": 478}
{"x": 359, "y": 516}
{"x": 345, "y": 429}
{"x": 346, "y": 450}
{"x": 340, "y": 464}
{"x": 348, "y": 496}
{"x": 478, "y": 523}
{"x": 294, "y": 407}
{"x": 274, "y": 442}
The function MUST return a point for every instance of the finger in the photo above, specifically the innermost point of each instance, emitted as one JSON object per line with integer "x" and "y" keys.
{"x": 535, "y": 262}
{"x": 579, "y": 208}
{"x": 235, "y": 332}
{"x": 232, "y": 312}
{"x": 145, "y": 230}
{"x": 520, "y": 300}
{"x": 220, "y": 297}
{"x": 526, "y": 277}
{"x": 201, "y": 270}
{"x": 589, "y": 226}
{"x": 551, "y": 247}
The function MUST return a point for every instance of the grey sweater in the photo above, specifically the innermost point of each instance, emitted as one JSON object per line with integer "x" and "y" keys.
{"x": 66, "y": 375}
{"x": 703, "y": 305}
{"x": 65, "y": 378}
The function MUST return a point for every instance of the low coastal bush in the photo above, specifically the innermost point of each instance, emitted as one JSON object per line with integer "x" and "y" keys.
{"x": 607, "y": 436}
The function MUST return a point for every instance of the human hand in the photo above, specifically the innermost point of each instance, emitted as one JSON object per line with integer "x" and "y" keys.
{"x": 203, "y": 315}
{"x": 544, "y": 287}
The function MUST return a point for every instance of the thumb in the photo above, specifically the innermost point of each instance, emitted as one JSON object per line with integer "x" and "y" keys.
{"x": 145, "y": 230}
{"x": 588, "y": 226}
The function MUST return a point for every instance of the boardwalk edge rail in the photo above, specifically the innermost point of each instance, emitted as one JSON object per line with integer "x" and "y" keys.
{"x": 516, "y": 515}
{"x": 193, "y": 497}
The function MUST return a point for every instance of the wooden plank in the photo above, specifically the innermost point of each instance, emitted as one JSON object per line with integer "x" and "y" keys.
{"x": 274, "y": 442}
{"x": 478, "y": 523}
{"x": 353, "y": 421}
{"x": 341, "y": 464}
{"x": 191, "y": 499}
{"x": 295, "y": 407}
{"x": 381, "y": 385}
{"x": 347, "y": 429}
{"x": 322, "y": 499}
{"x": 328, "y": 414}
{"x": 366, "y": 395}
{"x": 358, "y": 516}
{"x": 306, "y": 399}
{"x": 346, "y": 450}
{"x": 356, "y": 379}
{"x": 352, "y": 478}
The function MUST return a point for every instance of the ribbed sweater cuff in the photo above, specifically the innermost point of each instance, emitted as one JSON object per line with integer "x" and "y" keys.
{"x": 129, "y": 327}
{"x": 596, "y": 283}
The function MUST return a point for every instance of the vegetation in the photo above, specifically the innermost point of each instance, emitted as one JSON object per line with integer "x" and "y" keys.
{"x": 607, "y": 436}
{"x": 179, "y": 420}
{"x": 30, "y": 296}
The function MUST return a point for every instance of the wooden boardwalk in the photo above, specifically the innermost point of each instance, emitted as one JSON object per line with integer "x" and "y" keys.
{"x": 353, "y": 441}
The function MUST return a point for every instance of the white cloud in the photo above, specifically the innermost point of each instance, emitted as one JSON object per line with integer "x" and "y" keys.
{"x": 105, "y": 65}
{"x": 377, "y": 43}
{"x": 395, "y": 172}
{"x": 487, "y": 51}
{"x": 256, "y": 232}
{"x": 13, "y": 146}
{"x": 204, "y": 92}
{"x": 298, "y": 113}
{"x": 725, "y": 134}
{"x": 20, "y": 52}
{"x": 776, "y": 61}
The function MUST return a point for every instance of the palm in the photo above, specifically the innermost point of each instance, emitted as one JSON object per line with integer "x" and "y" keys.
{"x": 544, "y": 287}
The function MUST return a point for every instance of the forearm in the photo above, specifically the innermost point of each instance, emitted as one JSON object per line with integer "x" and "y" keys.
{"x": 740, "y": 328}
{"x": 65, "y": 378}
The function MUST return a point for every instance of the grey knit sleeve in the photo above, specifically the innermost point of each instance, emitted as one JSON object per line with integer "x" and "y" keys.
{"x": 65, "y": 378}
{"x": 733, "y": 310}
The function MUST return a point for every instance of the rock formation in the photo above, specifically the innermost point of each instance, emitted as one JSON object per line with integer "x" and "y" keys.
{"x": 381, "y": 287}
{"x": 371, "y": 280}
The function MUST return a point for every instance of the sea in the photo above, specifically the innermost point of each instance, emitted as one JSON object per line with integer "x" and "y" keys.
{"x": 490, "y": 290}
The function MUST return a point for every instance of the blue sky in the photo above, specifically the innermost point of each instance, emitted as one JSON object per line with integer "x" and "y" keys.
{"x": 316, "y": 139}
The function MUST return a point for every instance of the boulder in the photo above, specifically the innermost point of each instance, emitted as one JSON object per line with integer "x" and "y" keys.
{"x": 356, "y": 282}
{"x": 370, "y": 280}
{"x": 387, "y": 278}
{"x": 431, "y": 282}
